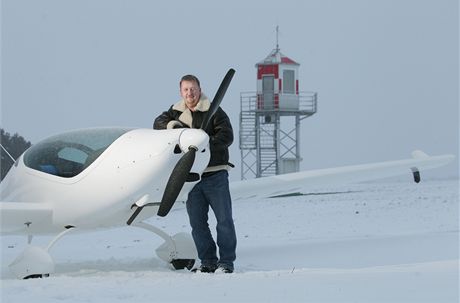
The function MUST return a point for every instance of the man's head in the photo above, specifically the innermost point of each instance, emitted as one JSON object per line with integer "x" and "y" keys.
{"x": 190, "y": 90}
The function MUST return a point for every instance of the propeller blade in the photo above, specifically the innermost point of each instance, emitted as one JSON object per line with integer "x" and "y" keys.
{"x": 218, "y": 98}
{"x": 176, "y": 181}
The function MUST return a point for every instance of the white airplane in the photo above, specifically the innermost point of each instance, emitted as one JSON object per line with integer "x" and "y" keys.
{"x": 100, "y": 178}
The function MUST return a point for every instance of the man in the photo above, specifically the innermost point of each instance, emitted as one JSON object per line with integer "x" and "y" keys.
{"x": 213, "y": 188}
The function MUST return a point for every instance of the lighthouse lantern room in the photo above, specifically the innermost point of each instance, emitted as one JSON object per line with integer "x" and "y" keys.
{"x": 277, "y": 82}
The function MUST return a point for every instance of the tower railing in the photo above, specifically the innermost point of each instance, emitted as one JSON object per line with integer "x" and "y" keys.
{"x": 307, "y": 102}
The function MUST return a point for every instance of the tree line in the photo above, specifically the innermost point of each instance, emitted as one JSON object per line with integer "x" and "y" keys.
{"x": 15, "y": 146}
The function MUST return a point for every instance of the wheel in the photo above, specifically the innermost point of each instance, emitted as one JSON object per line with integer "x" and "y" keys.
{"x": 183, "y": 263}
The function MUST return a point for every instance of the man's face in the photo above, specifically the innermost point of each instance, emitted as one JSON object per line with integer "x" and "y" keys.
{"x": 190, "y": 92}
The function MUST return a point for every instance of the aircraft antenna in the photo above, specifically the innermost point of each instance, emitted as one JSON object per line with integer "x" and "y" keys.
{"x": 11, "y": 157}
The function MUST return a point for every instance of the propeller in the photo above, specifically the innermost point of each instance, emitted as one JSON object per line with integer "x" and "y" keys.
{"x": 182, "y": 169}
{"x": 176, "y": 181}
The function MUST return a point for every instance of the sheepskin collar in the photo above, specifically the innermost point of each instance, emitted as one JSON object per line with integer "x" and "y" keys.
{"x": 202, "y": 106}
{"x": 186, "y": 116}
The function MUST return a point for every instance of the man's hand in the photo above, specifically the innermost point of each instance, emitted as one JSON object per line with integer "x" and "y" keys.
{"x": 174, "y": 124}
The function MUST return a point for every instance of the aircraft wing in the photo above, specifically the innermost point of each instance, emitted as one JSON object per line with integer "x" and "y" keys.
{"x": 307, "y": 180}
{"x": 16, "y": 216}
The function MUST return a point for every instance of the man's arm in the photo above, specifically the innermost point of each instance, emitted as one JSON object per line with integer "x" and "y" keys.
{"x": 167, "y": 120}
{"x": 222, "y": 136}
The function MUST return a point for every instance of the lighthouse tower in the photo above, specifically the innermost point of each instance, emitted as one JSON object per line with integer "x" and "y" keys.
{"x": 270, "y": 118}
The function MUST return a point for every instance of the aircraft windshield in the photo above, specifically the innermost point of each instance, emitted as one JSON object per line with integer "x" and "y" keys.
{"x": 66, "y": 155}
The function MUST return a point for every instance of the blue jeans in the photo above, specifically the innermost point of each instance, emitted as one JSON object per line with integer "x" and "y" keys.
{"x": 213, "y": 191}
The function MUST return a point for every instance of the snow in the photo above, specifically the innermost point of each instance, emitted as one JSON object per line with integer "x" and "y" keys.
{"x": 375, "y": 242}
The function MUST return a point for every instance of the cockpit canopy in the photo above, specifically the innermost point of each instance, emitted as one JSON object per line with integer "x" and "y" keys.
{"x": 68, "y": 154}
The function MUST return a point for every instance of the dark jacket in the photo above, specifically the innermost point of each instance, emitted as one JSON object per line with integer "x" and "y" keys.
{"x": 219, "y": 129}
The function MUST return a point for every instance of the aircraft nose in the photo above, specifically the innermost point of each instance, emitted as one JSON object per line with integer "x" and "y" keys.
{"x": 193, "y": 138}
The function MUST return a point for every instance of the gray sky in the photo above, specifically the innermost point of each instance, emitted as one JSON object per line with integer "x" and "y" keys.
{"x": 386, "y": 71}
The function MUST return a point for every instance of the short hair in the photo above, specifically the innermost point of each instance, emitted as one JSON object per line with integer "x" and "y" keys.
{"x": 189, "y": 78}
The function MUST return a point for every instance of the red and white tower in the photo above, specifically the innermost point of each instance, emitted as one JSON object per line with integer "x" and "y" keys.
{"x": 270, "y": 118}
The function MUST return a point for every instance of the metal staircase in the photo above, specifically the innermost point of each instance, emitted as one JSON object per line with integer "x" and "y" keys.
{"x": 247, "y": 130}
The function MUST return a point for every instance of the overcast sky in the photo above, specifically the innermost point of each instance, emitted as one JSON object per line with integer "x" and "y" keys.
{"x": 386, "y": 71}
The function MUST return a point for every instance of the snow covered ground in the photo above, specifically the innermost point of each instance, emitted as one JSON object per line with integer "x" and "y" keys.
{"x": 389, "y": 242}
